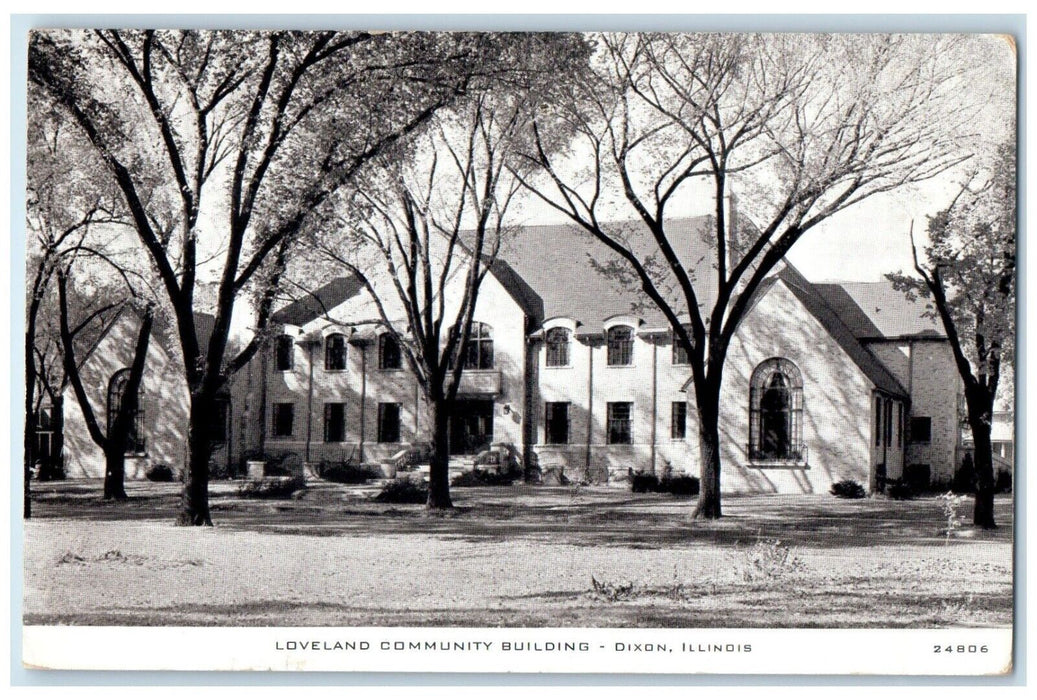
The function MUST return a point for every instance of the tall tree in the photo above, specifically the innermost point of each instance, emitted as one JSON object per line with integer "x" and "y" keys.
{"x": 223, "y": 144}
{"x": 967, "y": 272}
{"x": 63, "y": 204}
{"x": 421, "y": 232}
{"x": 799, "y": 127}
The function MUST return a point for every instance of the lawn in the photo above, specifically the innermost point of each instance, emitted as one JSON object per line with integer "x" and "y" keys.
{"x": 517, "y": 556}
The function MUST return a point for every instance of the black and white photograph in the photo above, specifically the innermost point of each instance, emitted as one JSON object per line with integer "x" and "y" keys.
{"x": 614, "y": 351}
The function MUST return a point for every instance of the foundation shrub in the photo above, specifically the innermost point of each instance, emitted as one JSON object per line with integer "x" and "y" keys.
{"x": 272, "y": 487}
{"x": 848, "y": 488}
{"x": 160, "y": 472}
{"x": 403, "y": 491}
{"x": 480, "y": 477}
{"x": 1003, "y": 481}
{"x": 348, "y": 473}
{"x": 641, "y": 482}
{"x": 681, "y": 485}
{"x": 900, "y": 490}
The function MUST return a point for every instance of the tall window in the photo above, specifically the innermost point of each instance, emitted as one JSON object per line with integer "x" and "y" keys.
{"x": 679, "y": 420}
{"x": 479, "y": 351}
{"x": 284, "y": 417}
{"x": 776, "y": 411}
{"x": 619, "y": 423}
{"x": 620, "y": 346}
{"x": 556, "y": 423}
{"x": 335, "y": 352}
{"x": 558, "y": 347}
{"x": 284, "y": 351}
{"x": 889, "y": 422}
{"x": 878, "y": 421}
{"x": 680, "y": 353}
{"x": 45, "y": 433}
{"x": 135, "y": 443}
{"x": 334, "y": 422}
{"x": 221, "y": 420}
{"x": 388, "y": 422}
{"x": 388, "y": 352}
{"x": 900, "y": 424}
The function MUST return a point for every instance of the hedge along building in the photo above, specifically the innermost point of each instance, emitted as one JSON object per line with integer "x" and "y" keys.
{"x": 573, "y": 371}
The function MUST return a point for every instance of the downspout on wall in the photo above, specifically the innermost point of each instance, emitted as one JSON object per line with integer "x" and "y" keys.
{"x": 309, "y": 403}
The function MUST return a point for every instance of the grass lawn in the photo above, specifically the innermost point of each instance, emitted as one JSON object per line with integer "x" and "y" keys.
{"x": 517, "y": 556}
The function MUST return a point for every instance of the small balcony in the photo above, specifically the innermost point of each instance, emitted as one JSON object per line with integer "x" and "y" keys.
{"x": 480, "y": 382}
{"x": 795, "y": 457}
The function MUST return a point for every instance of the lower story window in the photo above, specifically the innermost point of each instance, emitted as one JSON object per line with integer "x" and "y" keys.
{"x": 619, "y": 420}
{"x": 334, "y": 422}
{"x": 556, "y": 423}
{"x": 921, "y": 429}
{"x": 284, "y": 416}
{"x": 679, "y": 420}
{"x": 388, "y": 422}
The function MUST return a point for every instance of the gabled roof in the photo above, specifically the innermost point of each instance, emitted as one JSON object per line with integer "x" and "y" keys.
{"x": 815, "y": 301}
{"x": 875, "y": 310}
{"x": 318, "y": 302}
{"x": 577, "y": 276}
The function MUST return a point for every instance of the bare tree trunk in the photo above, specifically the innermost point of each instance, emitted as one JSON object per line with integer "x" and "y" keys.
{"x": 55, "y": 466}
{"x": 439, "y": 463}
{"x": 194, "y": 499}
{"x": 709, "y": 452}
{"x": 115, "y": 471}
{"x": 983, "y": 513}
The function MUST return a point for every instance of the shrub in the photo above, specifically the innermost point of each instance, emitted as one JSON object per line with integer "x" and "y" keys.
{"x": 479, "y": 477}
{"x": 848, "y": 488}
{"x": 644, "y": 483}
{"x": 965, "y": 476}
{"x": 1003, "y": 481}
{"x": 276, "y": 487}
{"x": 346, "y": 473}
{"x": 900, "y": 490}
{"x": 403, "y": 491}
{"x": 919, "y": 477}
{"x": 160, "y": 472}
{"x": 682, "y": 485}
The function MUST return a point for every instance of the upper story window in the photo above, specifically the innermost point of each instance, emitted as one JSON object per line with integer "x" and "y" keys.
{"x": 558, "y": 347}
{"x": 680, "y": 353}
{"x": 776, "y": 411}
{"x": 620, "y": 346}
{"x": 335, "y": 352}
{"x": 284, "y": 353}
{"x": 135, "y": 443}
{"x": 478, "y": 353}
{"x": 388, "y": 352}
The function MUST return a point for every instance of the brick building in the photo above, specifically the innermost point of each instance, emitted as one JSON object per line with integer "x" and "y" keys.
{"x": 570, "y": 369}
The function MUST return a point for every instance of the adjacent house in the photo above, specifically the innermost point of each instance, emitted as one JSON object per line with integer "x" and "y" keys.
{"x": 571, "y": 369}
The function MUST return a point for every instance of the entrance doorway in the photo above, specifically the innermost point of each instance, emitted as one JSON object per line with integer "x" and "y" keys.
{"x": 471, "y": 426}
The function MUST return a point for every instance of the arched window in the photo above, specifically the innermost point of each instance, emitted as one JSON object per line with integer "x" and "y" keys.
{"x": 284, "y": 351}
{"x": 558, "y": 347}
{"x": 335, "y": 352}
{"x": 776, "y": 412}
{"x": 116, "y": 392}
{"x": 620, "y": 346}
{"x": 478, "y": 354}
{"x": 388, "y": 352}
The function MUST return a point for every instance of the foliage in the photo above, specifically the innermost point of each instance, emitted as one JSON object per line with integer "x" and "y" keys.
{"x": 403, "y": 491}
{"x": 848, "y": 488}
{"x": 272, "y": 487}
{"x": 964, "y": 480}
{"x": 482, "y": 477}
{"x": 644, "y": 482}
{"x": 613, "y": 591}
{"x": 1003, "y": 481}
{"x": 900, "y": 490}
{"x": 348, "y": 473}
{"x": 919, "y": 477}
{"x": 679, "y": 485}
{"x": 160, "y": 472}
